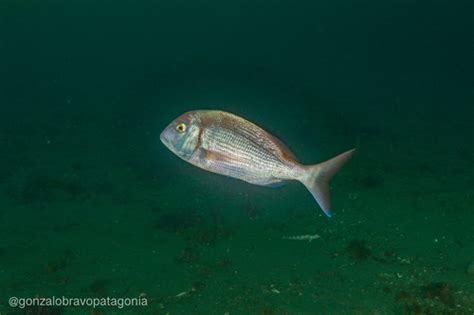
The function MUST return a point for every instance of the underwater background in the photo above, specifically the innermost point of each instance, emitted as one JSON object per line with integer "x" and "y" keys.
{"x": 93, "y": 205}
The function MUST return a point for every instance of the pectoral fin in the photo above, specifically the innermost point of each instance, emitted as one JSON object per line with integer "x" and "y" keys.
{"x": 213, "y": 156}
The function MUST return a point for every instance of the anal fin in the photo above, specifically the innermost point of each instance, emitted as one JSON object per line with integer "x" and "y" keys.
{"x": 276, "y": 184}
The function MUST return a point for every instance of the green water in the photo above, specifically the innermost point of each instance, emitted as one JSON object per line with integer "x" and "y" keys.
{"x": 92, "y": 205}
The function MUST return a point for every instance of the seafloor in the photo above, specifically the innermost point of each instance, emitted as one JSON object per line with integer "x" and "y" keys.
{"x": 93, "y": 205}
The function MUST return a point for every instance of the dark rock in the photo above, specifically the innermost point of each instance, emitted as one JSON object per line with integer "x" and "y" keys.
{"x": 358, "y": 250}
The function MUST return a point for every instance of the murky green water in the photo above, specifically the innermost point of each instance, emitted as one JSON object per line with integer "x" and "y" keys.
{"x": 92, "y": 205}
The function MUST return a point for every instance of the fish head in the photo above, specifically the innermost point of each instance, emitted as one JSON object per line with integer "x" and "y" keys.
{"x": 181, "y": 136}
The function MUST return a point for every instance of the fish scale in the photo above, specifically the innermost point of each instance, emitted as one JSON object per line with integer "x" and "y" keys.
{"x": 244, "y": 159}
{"x": 226, "y": 144}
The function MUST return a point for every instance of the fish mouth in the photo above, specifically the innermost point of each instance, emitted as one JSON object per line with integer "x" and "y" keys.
{"x": 162, "y": 136}
{"x": 165, "y": 139}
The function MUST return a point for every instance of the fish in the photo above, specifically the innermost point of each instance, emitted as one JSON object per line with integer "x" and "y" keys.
{"x": 226, "y": 144}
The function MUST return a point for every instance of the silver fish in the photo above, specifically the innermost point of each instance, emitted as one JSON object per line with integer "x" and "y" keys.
{"x": 226, "y": 144}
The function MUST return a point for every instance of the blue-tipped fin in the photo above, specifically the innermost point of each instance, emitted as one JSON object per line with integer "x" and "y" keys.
{"x": 318, "y": 176}
{"x": 277, "y": 184}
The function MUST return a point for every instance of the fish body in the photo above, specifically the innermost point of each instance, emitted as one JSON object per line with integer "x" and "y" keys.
{"x": 227, "y": 144}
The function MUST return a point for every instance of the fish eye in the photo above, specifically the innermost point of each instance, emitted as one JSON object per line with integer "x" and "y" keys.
{"x": 181, "y": 127}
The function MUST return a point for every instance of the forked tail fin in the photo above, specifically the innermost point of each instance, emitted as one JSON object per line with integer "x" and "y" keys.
{"x": 318, "y": 176}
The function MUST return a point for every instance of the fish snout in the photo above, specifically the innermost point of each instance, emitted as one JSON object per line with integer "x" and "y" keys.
{"x": 167, "y": 137}
{"x": 170, "y": 138}
{"x": 163, "y": 136}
